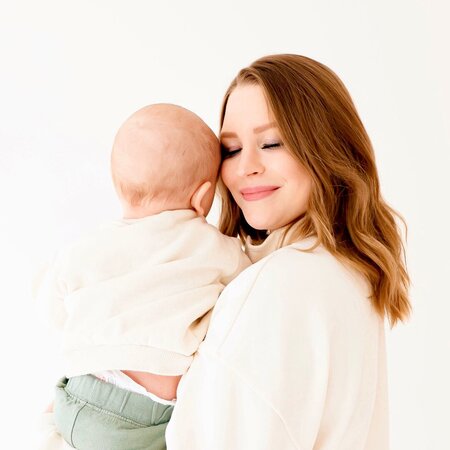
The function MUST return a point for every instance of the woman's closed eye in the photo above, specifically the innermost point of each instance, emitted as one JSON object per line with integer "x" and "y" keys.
{"x": 229, "y": 152}
{"x": 232, "y": 151}
{"x": 271, "y": 145}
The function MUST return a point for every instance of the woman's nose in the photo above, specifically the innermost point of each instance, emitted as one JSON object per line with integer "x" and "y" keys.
{"x": 250, "y": 163}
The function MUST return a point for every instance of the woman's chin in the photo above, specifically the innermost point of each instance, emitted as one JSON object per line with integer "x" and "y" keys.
{"x": 260, "y": 223}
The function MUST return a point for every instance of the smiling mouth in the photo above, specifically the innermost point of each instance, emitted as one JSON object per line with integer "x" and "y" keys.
{"x": 258, "y": 193}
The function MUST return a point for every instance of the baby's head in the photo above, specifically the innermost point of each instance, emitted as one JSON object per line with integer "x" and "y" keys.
{"x": 165, "y": 157}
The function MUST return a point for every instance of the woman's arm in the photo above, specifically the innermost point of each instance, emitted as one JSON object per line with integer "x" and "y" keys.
{"x": 296, "y": 365}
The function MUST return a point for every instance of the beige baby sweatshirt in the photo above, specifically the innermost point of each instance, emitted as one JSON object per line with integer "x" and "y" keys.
{"x": 137, "y": 294}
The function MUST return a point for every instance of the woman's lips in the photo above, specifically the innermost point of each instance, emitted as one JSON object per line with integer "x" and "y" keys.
{"x": 258, "y": 192}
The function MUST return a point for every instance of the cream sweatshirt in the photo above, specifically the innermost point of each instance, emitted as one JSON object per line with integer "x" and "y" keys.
{"x": 294, "y": 358}
{"x": 137, "y": 294}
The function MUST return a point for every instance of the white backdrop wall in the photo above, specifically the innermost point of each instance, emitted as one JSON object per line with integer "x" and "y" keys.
{"x": 71, "y": 72}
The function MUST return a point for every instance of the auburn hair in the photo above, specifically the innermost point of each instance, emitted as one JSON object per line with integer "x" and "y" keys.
{"x": 320, "y": 126}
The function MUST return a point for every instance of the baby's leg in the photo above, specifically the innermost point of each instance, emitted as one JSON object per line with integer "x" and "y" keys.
{"x": 92, "y": 414}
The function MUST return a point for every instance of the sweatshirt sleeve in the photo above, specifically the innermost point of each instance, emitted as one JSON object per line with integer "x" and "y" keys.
{"x": 279, "y": 370}
{"x": 233, "y": 258}
{"x": 49, "y": 291}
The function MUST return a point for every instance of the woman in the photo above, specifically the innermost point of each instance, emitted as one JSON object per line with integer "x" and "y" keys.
{"x": 295, "y": 354}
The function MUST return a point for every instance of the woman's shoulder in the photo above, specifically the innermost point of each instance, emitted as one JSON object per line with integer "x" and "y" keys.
{"x": 310, "y": 269}
{"x": 290, "y": 286}
{"x": 299, "y": 255}
{"x": 297, "y": 281}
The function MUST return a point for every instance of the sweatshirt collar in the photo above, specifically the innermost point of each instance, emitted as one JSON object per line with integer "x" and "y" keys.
{"x": 275, "y": 240}
{"x": 162, "y": 219}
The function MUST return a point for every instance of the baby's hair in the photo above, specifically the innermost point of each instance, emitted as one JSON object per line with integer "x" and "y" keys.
{"x": 179, "y": 151}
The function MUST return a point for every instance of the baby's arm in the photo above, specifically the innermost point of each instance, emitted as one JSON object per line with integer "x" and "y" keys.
{"x": 49, "y": 291}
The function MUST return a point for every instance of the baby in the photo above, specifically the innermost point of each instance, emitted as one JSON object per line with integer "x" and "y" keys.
{"x": 134, "y": 298}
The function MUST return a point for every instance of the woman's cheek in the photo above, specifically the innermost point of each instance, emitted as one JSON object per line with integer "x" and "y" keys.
{"x": 225, "y": 173}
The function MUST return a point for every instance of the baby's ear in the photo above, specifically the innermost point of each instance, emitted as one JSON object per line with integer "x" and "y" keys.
{"x": 198, "y": 196}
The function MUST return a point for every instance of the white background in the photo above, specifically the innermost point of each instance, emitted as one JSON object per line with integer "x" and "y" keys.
{"x": 72, "y": 71}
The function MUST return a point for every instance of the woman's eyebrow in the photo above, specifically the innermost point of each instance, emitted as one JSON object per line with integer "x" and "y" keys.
{"x": 256, "y": 130}
{"x": 265, "y": 127}
{"x": 226, "y": 134}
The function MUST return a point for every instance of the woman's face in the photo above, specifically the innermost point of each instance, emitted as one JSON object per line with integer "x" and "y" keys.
{"x": 270, "y": 186}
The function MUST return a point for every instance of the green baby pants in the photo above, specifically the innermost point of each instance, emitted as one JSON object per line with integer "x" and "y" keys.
{"x": 93, "y": 415}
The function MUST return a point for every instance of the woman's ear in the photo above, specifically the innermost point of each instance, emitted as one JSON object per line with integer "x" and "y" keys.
{"x": 198, "y": 199}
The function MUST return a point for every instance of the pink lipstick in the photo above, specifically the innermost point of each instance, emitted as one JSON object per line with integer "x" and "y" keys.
{"x": 257, "y": 192}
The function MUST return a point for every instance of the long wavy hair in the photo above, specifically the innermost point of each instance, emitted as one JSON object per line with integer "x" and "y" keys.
{"x": 320, "y": 126}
